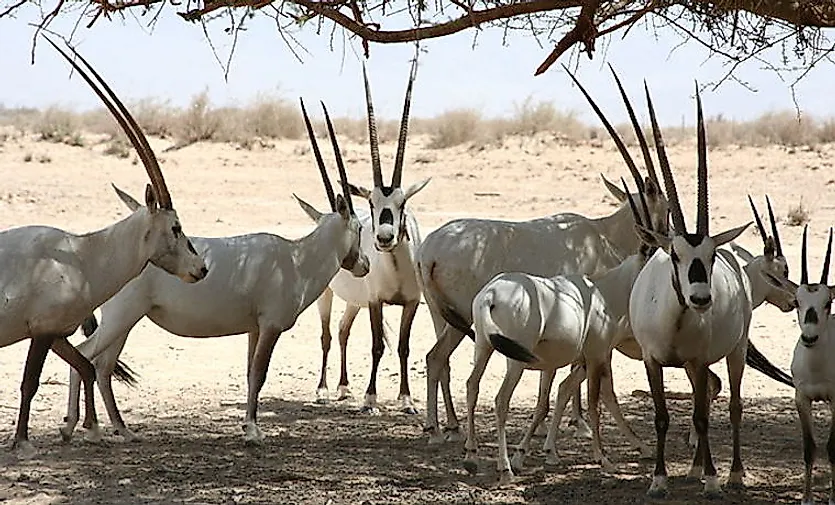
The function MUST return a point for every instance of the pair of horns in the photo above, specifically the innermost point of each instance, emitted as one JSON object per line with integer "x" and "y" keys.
{"x": 343, "y": 177}
{"x": 635, "y": 214}
{"x": 804, "y": 270}
{"x": 125, "y": 120}
{"x": 376, "y": 167}
{"x": 639, "y": 134}
{"x": 774, "y": 232}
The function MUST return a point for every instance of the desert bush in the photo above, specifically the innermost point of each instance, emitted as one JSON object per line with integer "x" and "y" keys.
{"x": 455, "y": 127}
{"x": 273, "y": 117}
{"x": 198, "y": 122}
{"x": 530, "y": 118}
{"x": 797, "y": 215}
{"x": 58, "y": 125}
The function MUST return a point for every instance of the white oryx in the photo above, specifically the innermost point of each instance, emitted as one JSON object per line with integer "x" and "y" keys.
{"x": 258, "y": 284}
{"x": 691, "y": 307}
{"x": 390, "y": 239}
{"x": 547, "y": 323}
{"x": 456, "y": 260}
{"x": 52, "y": 279}
{"x": 812, "y": 371}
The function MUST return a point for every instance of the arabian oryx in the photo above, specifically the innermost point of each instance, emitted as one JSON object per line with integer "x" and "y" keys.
{"x": 390, "y": 239}
{"x": 691, "y": 307}
{"x": 456, "y": 260}
{"x": 258, "y": 284}
{"x": 547, "y": 323}
{"x": 52, "y": 279}
{"x": 812, "y": 371}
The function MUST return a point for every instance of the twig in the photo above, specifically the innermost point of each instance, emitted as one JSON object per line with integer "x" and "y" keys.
{"x": 584, "y": 31}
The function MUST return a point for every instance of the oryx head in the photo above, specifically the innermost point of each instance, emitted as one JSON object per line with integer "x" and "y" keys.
{"x": 649, "y": 188}
{"x": 646, "y": 248}
{"x": 388, "y": 202}
{"x": 163, "y": 242}
{"x": 352, "y": 257}
{"x": 692, "y": 254}
{"x": 772, "y": 262}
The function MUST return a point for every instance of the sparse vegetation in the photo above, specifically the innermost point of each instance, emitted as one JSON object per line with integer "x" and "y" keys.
{"x": 797, "y": 215}
{"x": 269, "y": 117}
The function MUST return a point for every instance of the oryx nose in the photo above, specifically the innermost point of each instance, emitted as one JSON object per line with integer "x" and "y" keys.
{"x": 809, "y": 339}
{"x": 700, "y": 301}
{"x": 385, "y": 238}
{"x": 204, "y": 271}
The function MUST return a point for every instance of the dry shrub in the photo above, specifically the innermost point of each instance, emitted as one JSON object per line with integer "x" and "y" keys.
{"x": 784, "y": 128}
{"x": 58, "y": 125}
{"x": 198, "y": 122}
{"x": 273, "y": 117}
{"x": 797, "y": 215}
{"x": 530, "y": 118}
{"x": 455, "y": 127}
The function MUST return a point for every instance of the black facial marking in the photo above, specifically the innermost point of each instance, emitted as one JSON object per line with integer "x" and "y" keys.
{"x": 811, "y": 316}
{"x": 674, "y": 256}
{"x": 176, "y": 230}
{"x": 386, "y": 217}
{"x": 386, "y": 190}
{"x": 697, "y": 272}
{"x": 694, "y": 239}
{"x": 190, "y": 247}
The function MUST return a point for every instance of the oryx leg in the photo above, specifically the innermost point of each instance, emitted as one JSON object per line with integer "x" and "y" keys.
{"x": 324, "y": 304}
{"x": 375, "y": 310}
{"x": 38, "y": 349}
{"x": 85, "y": 369}
{"x": 105, "y": 363}
{"x": 610, "y": 400}
{"x": 511, "y": 379}
{"x": 830, "y": 450}
{"x": 655, "y": 377}
{"x": 701, "y": 421}
{"x": 564, "y": 392}
{"x": 437, "y": 371}
{"x": 256, "y": 376}
{"x": 581, "y": 427}
{"x": 345, "y": 325}
{"x": 546, "y": 380}
{"x": 482, "y": 353}
{"x": 804, "y": 411}
{"x": 736, "y": 366}
{"x": 406, "y": 319}
{"x": 714, "y": 384}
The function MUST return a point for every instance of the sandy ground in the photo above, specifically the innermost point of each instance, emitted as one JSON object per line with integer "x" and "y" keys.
{"x": 189, "y": 405}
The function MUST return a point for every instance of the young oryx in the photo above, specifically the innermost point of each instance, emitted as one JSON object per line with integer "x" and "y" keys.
{"x": 812, "y": 371}
{"x": 258, "y": 284}
{"x": 691, "y": 307}
{"x": 52, "y": 279}
{"x": 456, "y": 260}
{"x": 390, "y": 238}
{"x": 547, "y": 323}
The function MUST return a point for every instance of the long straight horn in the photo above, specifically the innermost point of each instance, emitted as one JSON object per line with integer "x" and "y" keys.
{"x": 804, "y": 270}
{"x": 404, "y": 129}
{"x": 612, "y": 132}
{"x": 825, "y": 273}
{"x": 639, "y": 133}
{"x": 759, "y": 222}
{"x": 372, "y": 134}
{"x": 703, "y": 218}
{"x": 669, "y": 182}
{"x": 126, "y": 121}
{"x": 319, "y": 162}
{"x": 774, "y": 231}
{"x": 343, "y": 176}
{"x": 635, "y": 214}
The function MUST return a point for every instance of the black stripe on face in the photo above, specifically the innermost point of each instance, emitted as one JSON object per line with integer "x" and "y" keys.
{"x": 811, "y": 316}
{"x": 386, "y": 217}
{"x": 697, "y": 272}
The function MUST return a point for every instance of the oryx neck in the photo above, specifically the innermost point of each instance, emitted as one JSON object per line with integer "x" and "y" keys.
{"x": 619, "y": 229}
{"x": 615, "y": 285}
{"x": 317, "y": 256}
{"x": 114, "y": 255}
{"x": 759, "y": 287}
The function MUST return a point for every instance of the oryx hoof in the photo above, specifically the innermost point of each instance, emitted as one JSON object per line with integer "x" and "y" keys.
{"x": 66, "y": 433}
{"x": 658, "y": 488}
{"x": 253, "y": 436}
{"x": 470, "y": 463}
{"x": 517, "y": 462}
{"x": 551, "y": 459}
{"x": 127, "y": 435}
{"x": 735, "y": 480}
{"x": 695, "y": 472}
{"x": 407, "y": 406}
{"x": 370, "y": 410}
{"x": 343, "y": 393}
{"x": 454, "y": 434}
{"x": 93, "y": 434}
{"x": 24, "y": 449}
{"x": 505, "y": 476}
{"x": 712, "y": 488}
{"x": 322, "y": 396}
{"x": 436, "y": 437}
{"x": 581, "y": 428}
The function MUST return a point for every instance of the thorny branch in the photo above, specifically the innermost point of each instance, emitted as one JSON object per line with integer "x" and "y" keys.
{"x": 738, "y": 30}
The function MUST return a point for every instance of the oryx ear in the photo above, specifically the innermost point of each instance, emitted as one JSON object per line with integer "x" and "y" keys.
{"x": 650, "y": 189}
{"x": 652, "y": 238}
{"x": 342, "y": 207}
{"x": 416, "y": 187}
{"x": 727, "y": 236}
{"x": 130, "y": 201}
{"x": 613, "y": 189}
{"x": 831, "y": 292}
{"x": 314, "y": 214}
{"x": 151, "y": 200}
{"x": 768, "y": 249}
{"x": 742, "y": 252}
{"x": 359, "y": 191}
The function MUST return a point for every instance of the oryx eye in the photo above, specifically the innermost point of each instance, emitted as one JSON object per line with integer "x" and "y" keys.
{"x": 177, "y": 230}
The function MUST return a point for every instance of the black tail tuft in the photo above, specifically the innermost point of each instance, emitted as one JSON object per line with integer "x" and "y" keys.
{"x": 89, "y": 325}
{"x": 125, "y": 374}
{"x": 758, "y": 362}
{"x": 511, "y": 348}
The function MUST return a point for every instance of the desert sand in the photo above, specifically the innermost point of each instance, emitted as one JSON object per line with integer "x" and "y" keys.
{"x": 188, "y": 407}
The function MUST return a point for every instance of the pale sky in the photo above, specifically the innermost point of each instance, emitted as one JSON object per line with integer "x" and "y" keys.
{"x": 175, "y": 62}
